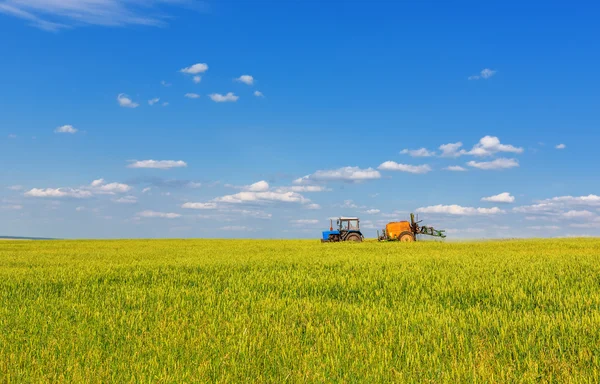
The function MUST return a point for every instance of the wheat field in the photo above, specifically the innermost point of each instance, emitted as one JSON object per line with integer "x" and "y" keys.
{"x": 267, "y": 311}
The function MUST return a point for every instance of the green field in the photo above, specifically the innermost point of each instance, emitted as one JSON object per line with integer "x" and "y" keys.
{"x": 177, "y": 311}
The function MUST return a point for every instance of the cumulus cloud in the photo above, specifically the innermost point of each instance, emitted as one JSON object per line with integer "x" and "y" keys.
{"x": 199, "y": 206}
{"x": 53, "y": 15}
{"x": 260, "y": 186}
{"x": 126, "y": 200}
{"x": 192, "y": 95}
{"x": 66, "y": 129}
{"x": 303, "y": 188}
{"x": 578, "y": 214}
{"x": 372, "y": 211}
{"x": 421, "y": 152}
{"x": 195, "y": 69}
{"x": 153, "y": 101}
{"x": 101, "y": 187}
{"x": 59, "y": 193}
{"x": 485, "y": 73}
{"x": 197, "y": 79}
{"x": 158, "y": 164}
{"x": 455, "y": 168}
{"x": 161, "y": 215}
{"x": 218, "y": 98}
{"x": 258, "y": 197}
{"x": 126, "y": 102}
{"x": 246, "y": 79}
{"x": 503, "y": 197}
{"x": 561, "y": 146}
{"x": 501, "y": 163}
{"x": 347, "y": 174}
{"x": 459, "y": 210}
{"x": 258, "y": 94}
{"x": 490, "y": 145}
{"x": 393, "y": 166}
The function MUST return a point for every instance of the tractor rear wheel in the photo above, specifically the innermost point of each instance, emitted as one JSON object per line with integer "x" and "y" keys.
{"x": 406, "y": 237}
{"x": 354, "y": 237}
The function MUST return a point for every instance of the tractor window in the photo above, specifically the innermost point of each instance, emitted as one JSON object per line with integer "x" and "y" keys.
{"x": 353, "y": 225}
{"x": 344, "y": 225}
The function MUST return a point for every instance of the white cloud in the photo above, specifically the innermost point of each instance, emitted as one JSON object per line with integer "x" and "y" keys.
{"x": 59, "y": 193}
{"x": 303, "y": 188}
{"x": 192, "y": 95}
{"x": 421, "y": 152}
{"x": 66, "y": 129}
{"x": 197, "y": 79}
{"x": 54, "y": 15}
{"x": 312, "y": 206}
{"x": 165, "y": 103}
{"x": 195, "y": 69}
{"x": 246, "y": 79}
{"x": 16, "y": 187}
{"x": 126, "y": 200}
{"x": 269, "y": 196}
{"x": 372, "y": 211}
{"x": 260, "y": 186}
{"x": 561, "y": 146}
{"x": 452, "y": 150}
{"x": 348, "y": 174}
{"x": 158, "y": 164}
{"x": 455, "y": 168}
{"x": 489, "y": 145}
{"x": 258, "y": 94}
{"x": 218, "y": 98}
{"x": 199, "y": 206}
{"x": 161, "y": 215}
{"x": 147, "y": 189}
{"x": 100, "y": 187}
{"x": 503, "y": 197}
{"x": 590, "y": 200}
{"x": 125, "y": 101}
{"x": 153, "y": 101}
{"x": 578, "y": 214}
{"x": 484, "y": 74}
{"x": 304, "y": 221}
{"x": 11, "y": 207}
{"x": 501, "y": 163}
{"x": 460, "y": 211}
{"x": 393, "y": 166}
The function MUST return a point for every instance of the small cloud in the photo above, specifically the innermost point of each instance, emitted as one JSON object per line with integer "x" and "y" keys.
{"x": 452, "y": 150}
{"x": 421, "y": 152}
{"x": 125, "y": 101}
{"x": 348, "y": 174}
{"x": 195, "y": 69}
{"x": 160, "y": 215}
{"x": 484, "y": 74}
{"x": 246, "y": 79}
{"x": 165, "y": 84}
{"x": 218, "y": 98}
{"x": 12, "y": 136}
{"x": 199, "y": 206}
{"x": 372, "y": 211}
{"x": 501, "y": 163}
{"x": 504, "y": 197}
{"x": 158, "y": 164}
{"x": 165, "y": 104}
{"x": 304, "y": 221}
{"x": 16, "y": 187}
{"x": 393, "y": 166}
{"x": 126, "y": 200}
{"x": 59, "y": 193}
{"x": 489, "y": 145}
{"x": 459, "y": 211}
{"x": 153, "y": 101}
{"x": 147, "y": 189}
{"x": 66, "y": 129}
{"x": 258, "y": 94}
{"x": 197, "y": 79}
{"x": 455, "y": 168}
{"x": 312, "y": 206}
{"x": 561, "y": 146}
{"x": 261, "y": 186}
{"x": 192, "y": 95}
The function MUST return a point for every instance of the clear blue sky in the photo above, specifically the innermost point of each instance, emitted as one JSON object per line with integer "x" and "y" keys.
{"x": 332, "y": 90}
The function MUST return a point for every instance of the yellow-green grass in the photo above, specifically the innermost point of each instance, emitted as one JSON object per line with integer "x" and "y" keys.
{"x": 178, "y": 311}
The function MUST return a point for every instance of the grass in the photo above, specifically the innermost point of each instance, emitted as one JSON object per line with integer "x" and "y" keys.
{"x": 176, "y": 311}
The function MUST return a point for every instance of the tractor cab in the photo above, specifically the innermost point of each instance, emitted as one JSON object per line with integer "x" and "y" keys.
{"x": 348, "y": 229}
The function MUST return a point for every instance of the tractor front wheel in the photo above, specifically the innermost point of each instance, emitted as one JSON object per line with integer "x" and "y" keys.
{"x": 406, "y": 237}
{"x": 354, "y": 237}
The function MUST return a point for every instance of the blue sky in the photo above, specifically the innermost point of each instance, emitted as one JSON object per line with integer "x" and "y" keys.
{"x": 265, "y": 119}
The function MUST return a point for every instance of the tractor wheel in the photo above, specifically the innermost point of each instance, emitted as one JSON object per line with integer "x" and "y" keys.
{"x": 406, "y": 237}
{"x": 354, "y": 237}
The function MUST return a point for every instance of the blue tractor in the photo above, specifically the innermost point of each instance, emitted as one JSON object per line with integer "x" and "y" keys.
{"x": 348, "y": 230}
